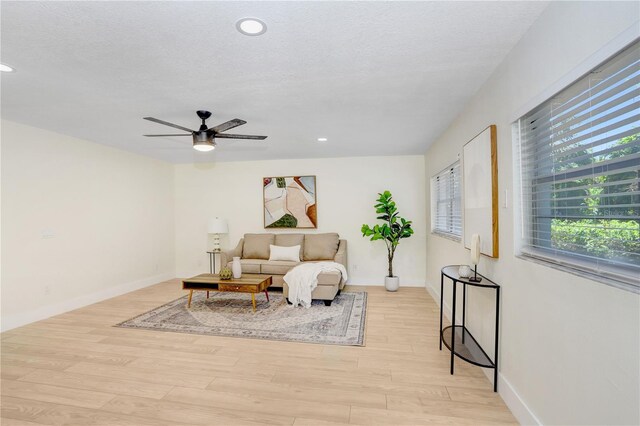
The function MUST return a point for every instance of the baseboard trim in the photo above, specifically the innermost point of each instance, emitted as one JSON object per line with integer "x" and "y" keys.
{"x": 509, "y": 395}
{"x": 378, "y": 284}
{"x": 24, "y": 318}
{"x": 516, "y": 404}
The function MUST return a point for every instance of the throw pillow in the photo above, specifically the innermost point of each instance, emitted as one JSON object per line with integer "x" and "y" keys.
{"x": 321, "y": 246}
{"x": 288, "y": 240}
{"x": 291, "y": 254}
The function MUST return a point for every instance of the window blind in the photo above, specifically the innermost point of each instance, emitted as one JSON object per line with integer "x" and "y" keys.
{"x": 447, "y": 211}
{"x": 580, "y": 173}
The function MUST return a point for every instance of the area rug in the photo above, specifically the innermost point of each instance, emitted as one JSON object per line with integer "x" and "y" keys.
{"x": 230, "y": 314}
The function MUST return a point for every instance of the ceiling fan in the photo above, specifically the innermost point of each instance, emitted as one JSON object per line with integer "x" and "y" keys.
{"x": 204, "y": 139}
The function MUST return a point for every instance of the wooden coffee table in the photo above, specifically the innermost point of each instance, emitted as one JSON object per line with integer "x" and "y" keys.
{"x": 248, "y": 283}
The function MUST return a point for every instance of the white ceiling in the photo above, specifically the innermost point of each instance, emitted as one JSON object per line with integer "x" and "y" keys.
{"x": 375, "y": 78}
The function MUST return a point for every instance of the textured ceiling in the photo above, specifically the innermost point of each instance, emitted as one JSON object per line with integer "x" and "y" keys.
{"x": 375, "y": 78}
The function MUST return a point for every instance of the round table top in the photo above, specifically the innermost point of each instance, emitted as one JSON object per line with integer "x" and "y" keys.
{"x": 451, "y": 271}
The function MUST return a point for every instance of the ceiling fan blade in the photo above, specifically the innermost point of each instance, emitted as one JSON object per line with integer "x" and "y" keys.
{"x": 166, "y": 123}
{"x": 229, "y": 136}
{"x": 228, "y": 125}
{"x": 160, "y": 136}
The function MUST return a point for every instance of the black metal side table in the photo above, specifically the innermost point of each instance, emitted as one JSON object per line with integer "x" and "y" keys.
{"x": 212, "y": 261}
{"x": 457, "y": 338}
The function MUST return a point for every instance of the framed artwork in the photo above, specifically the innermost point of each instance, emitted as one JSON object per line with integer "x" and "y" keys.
{"x": 480, "y": 189}
{"x": 290, "y": 202}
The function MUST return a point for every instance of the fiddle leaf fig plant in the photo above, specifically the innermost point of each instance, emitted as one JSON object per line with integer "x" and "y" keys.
{"x": 392, "y": 230}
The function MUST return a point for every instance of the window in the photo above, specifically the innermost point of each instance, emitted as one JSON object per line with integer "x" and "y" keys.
{"x": 446, "y": 216}
{"x": 580, "y": 174}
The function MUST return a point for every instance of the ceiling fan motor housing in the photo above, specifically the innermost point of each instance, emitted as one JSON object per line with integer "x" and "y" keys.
{"x": 203, "y": 138}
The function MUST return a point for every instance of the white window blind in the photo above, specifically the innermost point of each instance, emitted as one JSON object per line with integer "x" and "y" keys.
{"x": 446, "y": 212}
{"x": 580, "y": 174}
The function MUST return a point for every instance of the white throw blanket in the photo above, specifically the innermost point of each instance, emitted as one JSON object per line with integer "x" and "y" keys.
{"x": 303, "y": 279}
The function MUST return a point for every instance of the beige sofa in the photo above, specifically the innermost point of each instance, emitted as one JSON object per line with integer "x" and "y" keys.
{"x": 253, "y": 251}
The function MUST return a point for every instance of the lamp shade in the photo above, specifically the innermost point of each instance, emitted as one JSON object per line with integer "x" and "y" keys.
{"x": 218, "y": 226}
{"x": 475, "y": 249}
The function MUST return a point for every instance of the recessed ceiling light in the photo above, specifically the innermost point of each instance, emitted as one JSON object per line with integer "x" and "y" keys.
{"x": 322, "y": 139}
{"x": 251, "y": 26}
{"x": 6, "y": 68}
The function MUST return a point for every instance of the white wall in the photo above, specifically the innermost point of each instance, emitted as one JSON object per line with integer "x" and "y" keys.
{"x": 80, "y": 222}
{"x": 347, "y": 189}
{"x": 569, "y": 346}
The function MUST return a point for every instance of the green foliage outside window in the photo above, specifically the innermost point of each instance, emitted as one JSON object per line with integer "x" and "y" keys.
{"x": 602, "y": 212}
{"x": 606, "y": 239}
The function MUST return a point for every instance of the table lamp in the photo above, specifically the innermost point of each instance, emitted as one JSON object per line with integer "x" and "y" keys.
{"x": 217, "y": 226}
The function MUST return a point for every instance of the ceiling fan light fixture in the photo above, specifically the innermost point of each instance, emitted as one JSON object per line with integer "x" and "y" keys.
{"x": 203, "y": 142}
{"x": 204, "y": 146}
{"x": 251, "y": 26}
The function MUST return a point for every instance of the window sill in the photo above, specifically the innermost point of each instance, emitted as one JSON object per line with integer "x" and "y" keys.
{"x": 451, "y": 237}
{"x": 576, "y": 270}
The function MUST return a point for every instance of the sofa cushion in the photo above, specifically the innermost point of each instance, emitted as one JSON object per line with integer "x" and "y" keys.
{"x": 329, "y": 278}
{"x": 250, "y": 266}
{"x": 284, "y": 253}
{"x": 320, "y": 246}
{"x": 277, "y": 267}
{"x": 289, "y": 240}
{"x": 256, "y": 246}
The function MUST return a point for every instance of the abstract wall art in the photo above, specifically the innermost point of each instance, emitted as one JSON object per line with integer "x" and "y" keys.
{"x": 290, "y": 202}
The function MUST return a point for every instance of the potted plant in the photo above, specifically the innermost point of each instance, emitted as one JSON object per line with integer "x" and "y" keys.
{"x": 393, "y": 229}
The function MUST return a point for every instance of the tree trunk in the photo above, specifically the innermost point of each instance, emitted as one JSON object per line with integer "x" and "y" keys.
{"x": 390, "y": 257}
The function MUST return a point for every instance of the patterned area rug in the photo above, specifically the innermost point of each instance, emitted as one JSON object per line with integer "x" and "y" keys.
{"x": 230, "y": 314}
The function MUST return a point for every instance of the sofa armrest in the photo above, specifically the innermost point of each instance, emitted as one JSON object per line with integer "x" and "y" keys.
{"x": 341, "y": 257}
{"x": 226, "y": 256}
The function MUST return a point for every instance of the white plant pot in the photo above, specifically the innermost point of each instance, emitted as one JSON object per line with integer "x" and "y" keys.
{"x": 236, "y": 268}
{"x": 392, "y": 283}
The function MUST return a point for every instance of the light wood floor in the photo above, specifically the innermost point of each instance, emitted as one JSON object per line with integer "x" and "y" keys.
{"x": 77, "y": 369}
